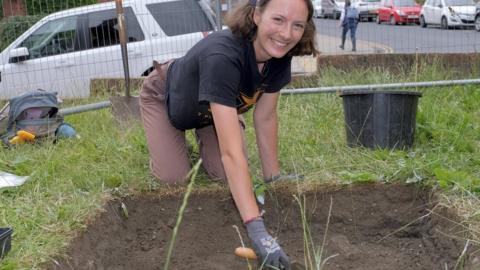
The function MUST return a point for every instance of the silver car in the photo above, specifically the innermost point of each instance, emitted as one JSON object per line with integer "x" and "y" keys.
{"x": 332, "y": 8}
{"x": 367, "y": 8}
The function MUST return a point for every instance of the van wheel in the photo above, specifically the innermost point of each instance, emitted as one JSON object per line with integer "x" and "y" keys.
{"x": 392, "y": 20}
{"x": 477, "y": 23}
{"x": 444, "y": 23}
{"x": 422, "y": 22}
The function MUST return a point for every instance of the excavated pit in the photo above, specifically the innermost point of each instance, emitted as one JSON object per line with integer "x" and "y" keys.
{"x": 371, "y": 226}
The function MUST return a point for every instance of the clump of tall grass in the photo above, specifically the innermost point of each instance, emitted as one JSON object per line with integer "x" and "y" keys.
{"x": 315, "y": 255}
{"x": 191, "y": 175}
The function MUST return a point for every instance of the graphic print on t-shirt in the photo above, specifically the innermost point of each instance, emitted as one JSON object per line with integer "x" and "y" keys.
{"x": 246, "y": 102}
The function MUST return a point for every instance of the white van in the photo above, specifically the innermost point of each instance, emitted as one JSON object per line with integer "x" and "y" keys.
{"x": 65, "y": 50}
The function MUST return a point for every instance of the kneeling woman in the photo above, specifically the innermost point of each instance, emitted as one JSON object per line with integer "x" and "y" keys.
{"x": 219, "y": 78}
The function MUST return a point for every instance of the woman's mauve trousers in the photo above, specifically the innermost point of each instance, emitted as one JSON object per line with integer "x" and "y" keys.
{"x": 169, "y": 158}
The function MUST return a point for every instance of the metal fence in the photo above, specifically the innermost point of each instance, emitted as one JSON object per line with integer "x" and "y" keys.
{"x": 47, "y": 44}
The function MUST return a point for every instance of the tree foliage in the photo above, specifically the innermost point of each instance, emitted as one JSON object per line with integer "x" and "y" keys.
{"x": 13, "y": 27}
{"x": 1, "y": 9}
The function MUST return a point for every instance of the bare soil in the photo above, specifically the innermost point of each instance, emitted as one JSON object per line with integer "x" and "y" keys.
{"x": 371, "y": 226}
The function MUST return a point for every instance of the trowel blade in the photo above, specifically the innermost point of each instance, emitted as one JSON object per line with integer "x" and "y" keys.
{"x": 297, "y": 266}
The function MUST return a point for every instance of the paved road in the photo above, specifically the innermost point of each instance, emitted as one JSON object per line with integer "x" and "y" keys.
{"x": 406, "y": 38}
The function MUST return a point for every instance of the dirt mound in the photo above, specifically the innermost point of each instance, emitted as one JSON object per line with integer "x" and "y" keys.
{"x": 370, "y": 227}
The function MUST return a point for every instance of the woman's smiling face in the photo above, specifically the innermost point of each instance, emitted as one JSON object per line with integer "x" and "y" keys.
{"x": 280, "y": 26}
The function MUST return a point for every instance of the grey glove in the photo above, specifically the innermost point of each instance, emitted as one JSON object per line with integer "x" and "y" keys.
{"x": 283, "y": 177}
{"x": 270, "y": 253}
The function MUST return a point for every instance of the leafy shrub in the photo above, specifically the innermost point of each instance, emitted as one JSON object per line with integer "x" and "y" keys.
{"x": 13, "y": 27}
{"x": 36, "y": 7}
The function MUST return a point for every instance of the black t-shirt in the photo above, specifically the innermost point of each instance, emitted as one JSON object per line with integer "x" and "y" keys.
{"x": 221, "y": 68}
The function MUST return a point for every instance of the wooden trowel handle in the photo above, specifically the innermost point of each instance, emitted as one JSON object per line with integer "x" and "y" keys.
{"x": 246, "y": 253}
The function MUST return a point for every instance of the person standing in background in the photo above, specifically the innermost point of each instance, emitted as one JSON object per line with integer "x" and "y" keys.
{"x": 349, "y": 21}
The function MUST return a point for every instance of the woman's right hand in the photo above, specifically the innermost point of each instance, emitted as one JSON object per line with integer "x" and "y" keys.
{"x": 268, "y": 250}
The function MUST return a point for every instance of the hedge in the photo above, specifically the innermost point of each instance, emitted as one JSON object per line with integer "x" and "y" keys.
{"x": 36, "y": 7}
{"x": 13, "y": 27}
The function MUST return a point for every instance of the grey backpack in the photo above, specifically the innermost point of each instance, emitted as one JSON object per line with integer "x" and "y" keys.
{"x": 35, "y": 111}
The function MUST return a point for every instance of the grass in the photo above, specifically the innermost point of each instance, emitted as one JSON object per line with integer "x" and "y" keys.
{"x": 72, "y": 179}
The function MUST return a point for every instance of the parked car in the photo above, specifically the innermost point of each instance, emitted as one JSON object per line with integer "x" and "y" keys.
{"x": 477, "y": 19}
{"x": 317, "y": 8}
{"x": 448, "y": 13}
{"x": 399, "y": 11}
{"x": 367, "y": 9}
{"x": 332, "y": 8}
{"x": 65, "y": 50}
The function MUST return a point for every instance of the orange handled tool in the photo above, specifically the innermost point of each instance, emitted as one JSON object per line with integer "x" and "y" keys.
{"x": 22, "y": 136}
{"x": 246, "y": 253}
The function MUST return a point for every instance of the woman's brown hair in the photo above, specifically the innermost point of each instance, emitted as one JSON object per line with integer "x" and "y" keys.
{"x": 240, "y": 21}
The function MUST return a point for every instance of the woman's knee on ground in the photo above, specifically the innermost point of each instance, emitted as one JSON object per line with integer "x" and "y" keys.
{"x": 169, "y": 175}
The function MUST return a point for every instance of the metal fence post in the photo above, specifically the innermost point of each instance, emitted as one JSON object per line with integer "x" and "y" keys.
{"x": 218, "y": 11}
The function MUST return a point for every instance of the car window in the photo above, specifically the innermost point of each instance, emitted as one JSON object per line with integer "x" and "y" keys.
{"x": 459, "y": 3}
{"x": 180, "y": 17}
{"x": 54, "y": 37}
{"x": 404, "y": 3}
{"x": 103, "y": 28}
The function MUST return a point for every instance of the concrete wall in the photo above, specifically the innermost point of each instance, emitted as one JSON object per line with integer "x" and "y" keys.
{"x": 467, "y": 63}
{"x": 462, "y": 64}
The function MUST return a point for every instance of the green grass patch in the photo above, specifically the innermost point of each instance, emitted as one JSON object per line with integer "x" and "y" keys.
{"x": 71, "y": 180}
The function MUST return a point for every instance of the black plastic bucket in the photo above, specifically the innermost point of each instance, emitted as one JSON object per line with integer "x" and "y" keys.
{"x": 5, "y": 241}
{"x": 380, "y": 119}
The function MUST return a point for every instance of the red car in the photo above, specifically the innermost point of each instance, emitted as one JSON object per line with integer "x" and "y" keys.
{"x": 399, "y": 11}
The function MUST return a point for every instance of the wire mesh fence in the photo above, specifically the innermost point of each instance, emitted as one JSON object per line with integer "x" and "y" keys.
{"x": 63, "y": 50}
{"x": 61, "y": 45}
